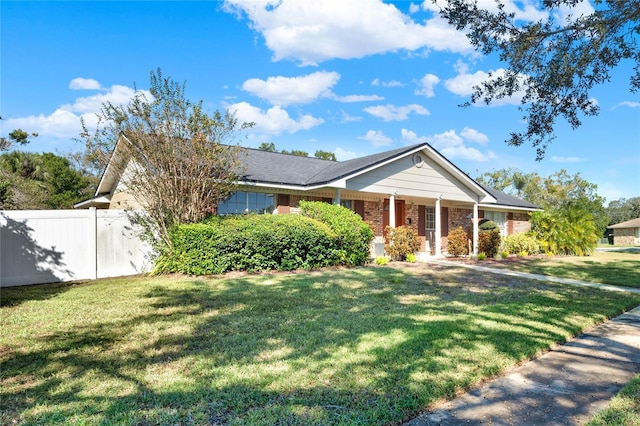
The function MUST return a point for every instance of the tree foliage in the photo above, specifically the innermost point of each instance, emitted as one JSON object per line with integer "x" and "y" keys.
{"x": 41, "y": 181}
{"x": 552, "y": 193}
{"x": 175, "y": 159}
{"x": 555, "y": 61}
{"x": 17, "y": 136}
{"x": 623, "y": 210}
{"x": 323, "y": 155}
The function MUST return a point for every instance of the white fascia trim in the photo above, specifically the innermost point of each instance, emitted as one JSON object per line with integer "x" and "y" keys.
{"x": 342, "y": 184}
{"x": 510, "y": 208}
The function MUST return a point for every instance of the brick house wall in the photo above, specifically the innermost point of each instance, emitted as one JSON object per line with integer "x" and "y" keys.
{"x": 624, "y": 236}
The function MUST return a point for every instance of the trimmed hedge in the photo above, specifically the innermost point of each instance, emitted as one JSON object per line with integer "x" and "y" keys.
{"x": 324, "y": 235}
{"x": 250, "y": 243}
{"x": 354, "y": 235}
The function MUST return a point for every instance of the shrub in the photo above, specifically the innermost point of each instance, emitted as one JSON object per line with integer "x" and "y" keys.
{"x": 353, "y": 235}
{"x": 488, "y": 225}
{"x": 504, "y": 254}
{"x": 382, "y": 260}
{"x": 411, "y": 257}
{"x": 457, "y": 242}
{"x": 489, "y": 242}
{"x": 482, "y": 256}
{"x": 516, "y": 243}
{"x": 570, "y": 230}
{"x": 251, "y": 243}
{"x": 402, "y": 241}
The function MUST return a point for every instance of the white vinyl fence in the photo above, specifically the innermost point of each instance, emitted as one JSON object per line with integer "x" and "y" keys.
{"x": 45, "y": 246}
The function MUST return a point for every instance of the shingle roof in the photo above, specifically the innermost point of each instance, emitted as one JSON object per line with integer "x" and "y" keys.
{"x": 633, "y": 223}
{"x": 286, "y": 169}
{"x": 509, "y": 200}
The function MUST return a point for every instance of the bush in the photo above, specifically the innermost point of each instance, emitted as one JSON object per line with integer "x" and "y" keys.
{"x": 354, "y": 235}
{"x": 488, "y": 225}
{"x": 381, "y": 260}
{"x": 482, "y": 256}
{"x": 489, "y": 242}
{"x": 457, "y": 242}
{"x": 570, "y": 230}
{"x": 250, "y": 243}
{"x": 504, "y": 254}
{"x": 402, "y": 241}
{"x": 521, "y": 242}
{"x": 412, "y": 258}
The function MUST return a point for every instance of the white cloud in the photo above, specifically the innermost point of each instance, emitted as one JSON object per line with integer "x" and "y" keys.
{"x": 560, "y": 159}
{"x": 346, "y": 118}
{"x": 427, "y": 83}
{"x": 452, "y": 145}
{"x": 285, "y": 91}
{"x": 630, "y": 104}
{"x": 84, "y": 84}
{"x": 314, "y": 31}
{"x": 463, "y": 84}
{"x": 356, "y": 98}
{"x": 377, "y": 138}
{"x": 274, "y": 121}
{"x": 568, "y": 14}
{"x": 64, "y": 122}
{"x": 391, "y": 83}
{"x": 344, "y": 155}
{"x": 394, "y": 113}
{"x": 472, "y": 135}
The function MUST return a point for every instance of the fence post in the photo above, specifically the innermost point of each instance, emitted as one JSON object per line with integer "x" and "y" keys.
{"x": 93, "y": 242}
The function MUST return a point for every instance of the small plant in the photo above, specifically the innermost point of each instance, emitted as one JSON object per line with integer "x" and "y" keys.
{"x": 457, "y": 242}
{"x": 411, "y": 257}
{"x": 504, "y": 254}
{"x": 482, "y": 256}
{"x": 382, "y": 260}
{"x": 523, "y": 254}
{"x": 402, "y": 242}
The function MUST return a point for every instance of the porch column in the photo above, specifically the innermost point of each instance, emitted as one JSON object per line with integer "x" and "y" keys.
{"x": 392, "y": 210}
{"x": 336, "y": 197}
{"x": 438, "y": 231}
{"x": 475, "y": 228}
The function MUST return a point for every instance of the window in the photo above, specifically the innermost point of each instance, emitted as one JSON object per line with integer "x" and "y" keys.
{"x": 500, "y": 218}
{"x": 430, "y": 218}
{"x": 346, "y": 203}
{"x": 247, "y": 202}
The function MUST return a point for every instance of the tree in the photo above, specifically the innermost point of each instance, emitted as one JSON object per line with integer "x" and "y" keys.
{"x": 325, "y": 155}
{"x": 17, "y": 136}
{"x": 267, "y": 146}
{"x": 623, "y": 210}
{"x": 41, "y": 181}
{"x": 296, "y": 152}
{"x": 552, "y": 193}
{"x": 176, "y": 160}
{"x": 555, "y": 62}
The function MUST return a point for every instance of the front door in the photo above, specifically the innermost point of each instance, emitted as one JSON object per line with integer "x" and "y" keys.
{"x": 400, "y": 216}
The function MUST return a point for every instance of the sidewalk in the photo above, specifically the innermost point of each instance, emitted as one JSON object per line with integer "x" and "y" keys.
{"x": 566, "y": 386}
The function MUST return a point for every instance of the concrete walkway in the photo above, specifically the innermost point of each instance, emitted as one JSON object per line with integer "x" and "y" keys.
{"x": 566, "y": 386}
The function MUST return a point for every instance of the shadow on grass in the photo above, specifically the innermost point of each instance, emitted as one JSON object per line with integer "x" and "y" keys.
{"x": 363, "y": 346}
{"x": 12, "y": 296}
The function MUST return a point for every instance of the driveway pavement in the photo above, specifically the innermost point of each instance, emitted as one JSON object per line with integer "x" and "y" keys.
{"x": 566, "y": 386}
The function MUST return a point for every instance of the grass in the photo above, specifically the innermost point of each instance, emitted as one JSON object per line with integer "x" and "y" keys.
{"x": 371, "y": 345}
{"x": 624, "y": 408}
{"x": 617, "y": 268}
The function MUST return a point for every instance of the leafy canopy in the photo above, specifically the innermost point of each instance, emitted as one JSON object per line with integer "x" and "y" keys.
{"x": 176, "y": 160}
{"x": 555, "y": 61}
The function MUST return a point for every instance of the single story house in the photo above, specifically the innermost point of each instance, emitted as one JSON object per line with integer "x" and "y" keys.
{"x": 626, "y": 233}
{"x": 414, "y": 186}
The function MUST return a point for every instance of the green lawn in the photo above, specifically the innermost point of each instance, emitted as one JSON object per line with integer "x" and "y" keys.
{"x": 370, "y": 345}
{"x": 624, "y": 408}
{"x": 617, "y": 268}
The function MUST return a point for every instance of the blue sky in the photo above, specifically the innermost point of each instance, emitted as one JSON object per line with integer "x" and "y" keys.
{"x": 351, "y": 77}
